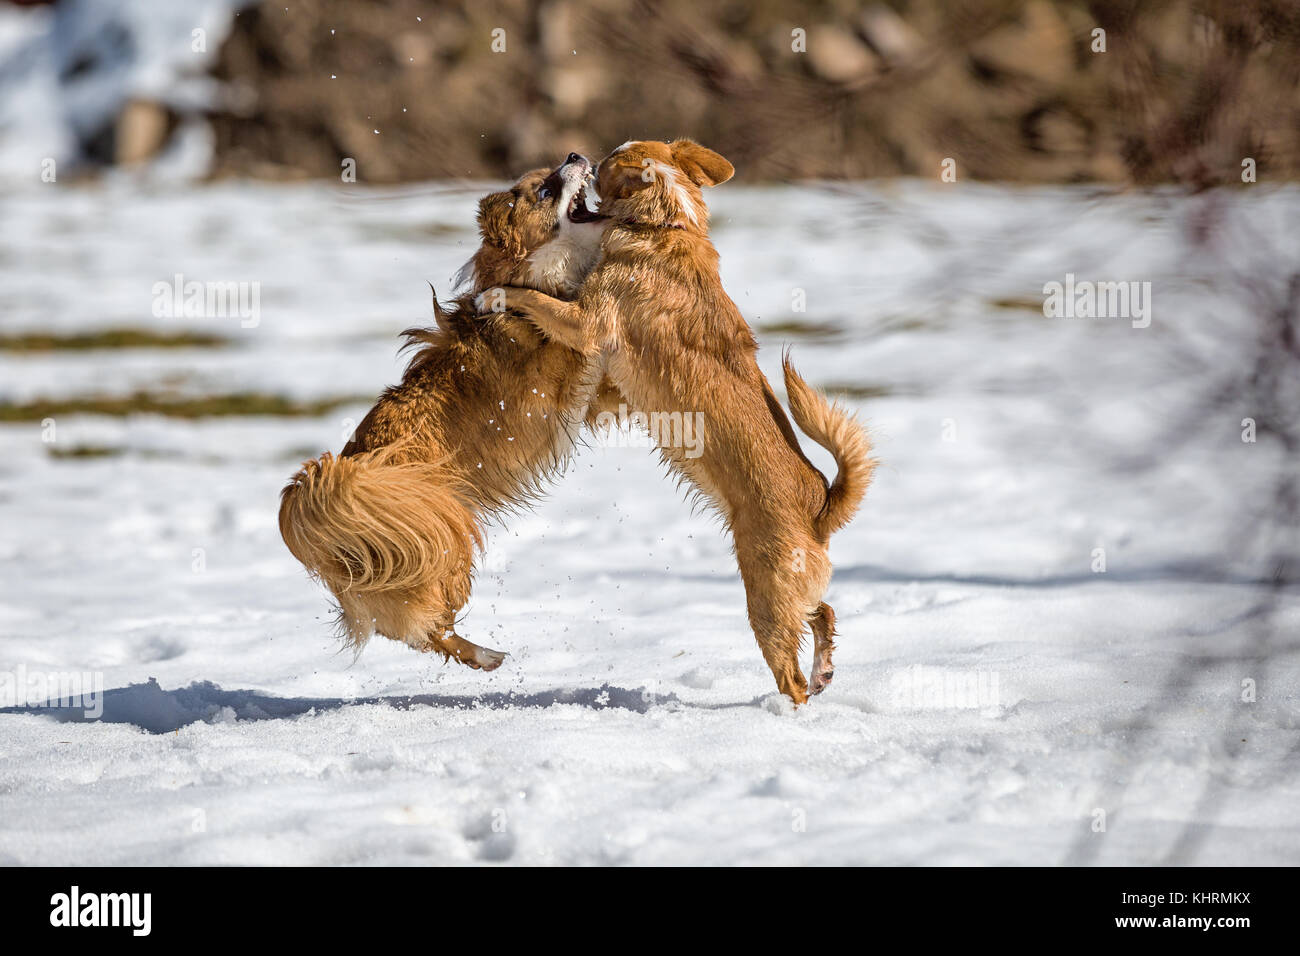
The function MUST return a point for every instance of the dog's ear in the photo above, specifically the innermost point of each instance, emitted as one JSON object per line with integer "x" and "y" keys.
{"x": 702, "y": 165}
{"x": 494, "y": 222}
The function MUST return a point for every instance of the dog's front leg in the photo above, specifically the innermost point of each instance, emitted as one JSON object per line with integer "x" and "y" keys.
{"x": 559, "y": 321}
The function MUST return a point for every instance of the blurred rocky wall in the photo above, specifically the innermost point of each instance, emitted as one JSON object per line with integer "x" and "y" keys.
{"x": 1021, "y": 90}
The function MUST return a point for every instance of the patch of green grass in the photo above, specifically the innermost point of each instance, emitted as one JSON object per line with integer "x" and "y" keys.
{"x": 94, "y": 452}
{"x": 902, "y": 323}
{"x": 85, "y": 451}
{"x": 857, "y": 392}
{"x": 1018, "y": 305}
{"x": 416, "y": 232}
{"x": 802, "y": 330}
{"x": 201, "y": 406}
{"x": 119, "y": 338}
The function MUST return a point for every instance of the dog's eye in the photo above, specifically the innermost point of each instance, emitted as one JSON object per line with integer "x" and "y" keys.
{"x": 544, "y": 192}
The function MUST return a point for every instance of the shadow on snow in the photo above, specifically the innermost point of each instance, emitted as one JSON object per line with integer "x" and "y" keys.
{"x": 159, "y": 711}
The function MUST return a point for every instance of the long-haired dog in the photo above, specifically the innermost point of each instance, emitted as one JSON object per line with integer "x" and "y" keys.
{"x": 486, "y": 410}
{"x": 674, "y": 342}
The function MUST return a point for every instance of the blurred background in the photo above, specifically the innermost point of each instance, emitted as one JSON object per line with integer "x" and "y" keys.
{"x": 1096, "y": 516}
{"x": 1018, "y": 90}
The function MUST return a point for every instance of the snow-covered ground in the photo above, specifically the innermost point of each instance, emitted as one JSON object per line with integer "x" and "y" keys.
{"x": 997, "y": 698}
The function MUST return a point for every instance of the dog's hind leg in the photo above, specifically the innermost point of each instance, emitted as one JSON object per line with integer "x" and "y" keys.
{"x": 823, "y": 628}
{"x": 454, "y": 647}
{"x": 778, "y": 623}
{"x": 432, "y": 622}
{"x": 784, "y": 581}
{"x": 780, "y": 647}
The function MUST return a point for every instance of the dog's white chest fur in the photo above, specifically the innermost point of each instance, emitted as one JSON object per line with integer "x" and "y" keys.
{"x": 559, "y": 267}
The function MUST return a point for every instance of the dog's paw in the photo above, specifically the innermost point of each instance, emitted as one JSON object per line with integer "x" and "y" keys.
{"x": 490, "y": 300}
{"x": 820, "y": 680}
{"x": 490, "y": 660}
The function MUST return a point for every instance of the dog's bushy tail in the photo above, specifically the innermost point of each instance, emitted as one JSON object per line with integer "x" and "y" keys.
{"x": 374, "y": 522}
{"x": 836, "y": 430}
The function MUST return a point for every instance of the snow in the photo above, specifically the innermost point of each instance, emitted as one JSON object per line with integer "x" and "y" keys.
{"x": 992, "y": 692}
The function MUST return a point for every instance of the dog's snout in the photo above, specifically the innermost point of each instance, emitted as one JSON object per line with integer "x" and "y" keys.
{"x": 576, "y": 158}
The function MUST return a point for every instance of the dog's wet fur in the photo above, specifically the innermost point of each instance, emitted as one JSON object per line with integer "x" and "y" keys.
{"x": 570, "y": 312}
{"x": 673, "y": 341}
{"x": 487, "y": 409}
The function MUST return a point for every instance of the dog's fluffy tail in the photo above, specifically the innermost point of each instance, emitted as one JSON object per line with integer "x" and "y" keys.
{"x": 836, "y": 430}
{"x": 373, "y": 522}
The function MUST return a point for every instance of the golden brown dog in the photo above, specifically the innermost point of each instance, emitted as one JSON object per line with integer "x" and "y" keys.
{"x": 674, "y": 342}
{"x": 486, "y": 409}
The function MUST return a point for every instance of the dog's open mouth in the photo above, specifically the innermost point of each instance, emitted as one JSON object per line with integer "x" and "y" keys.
{"x": 578, "y": 211}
